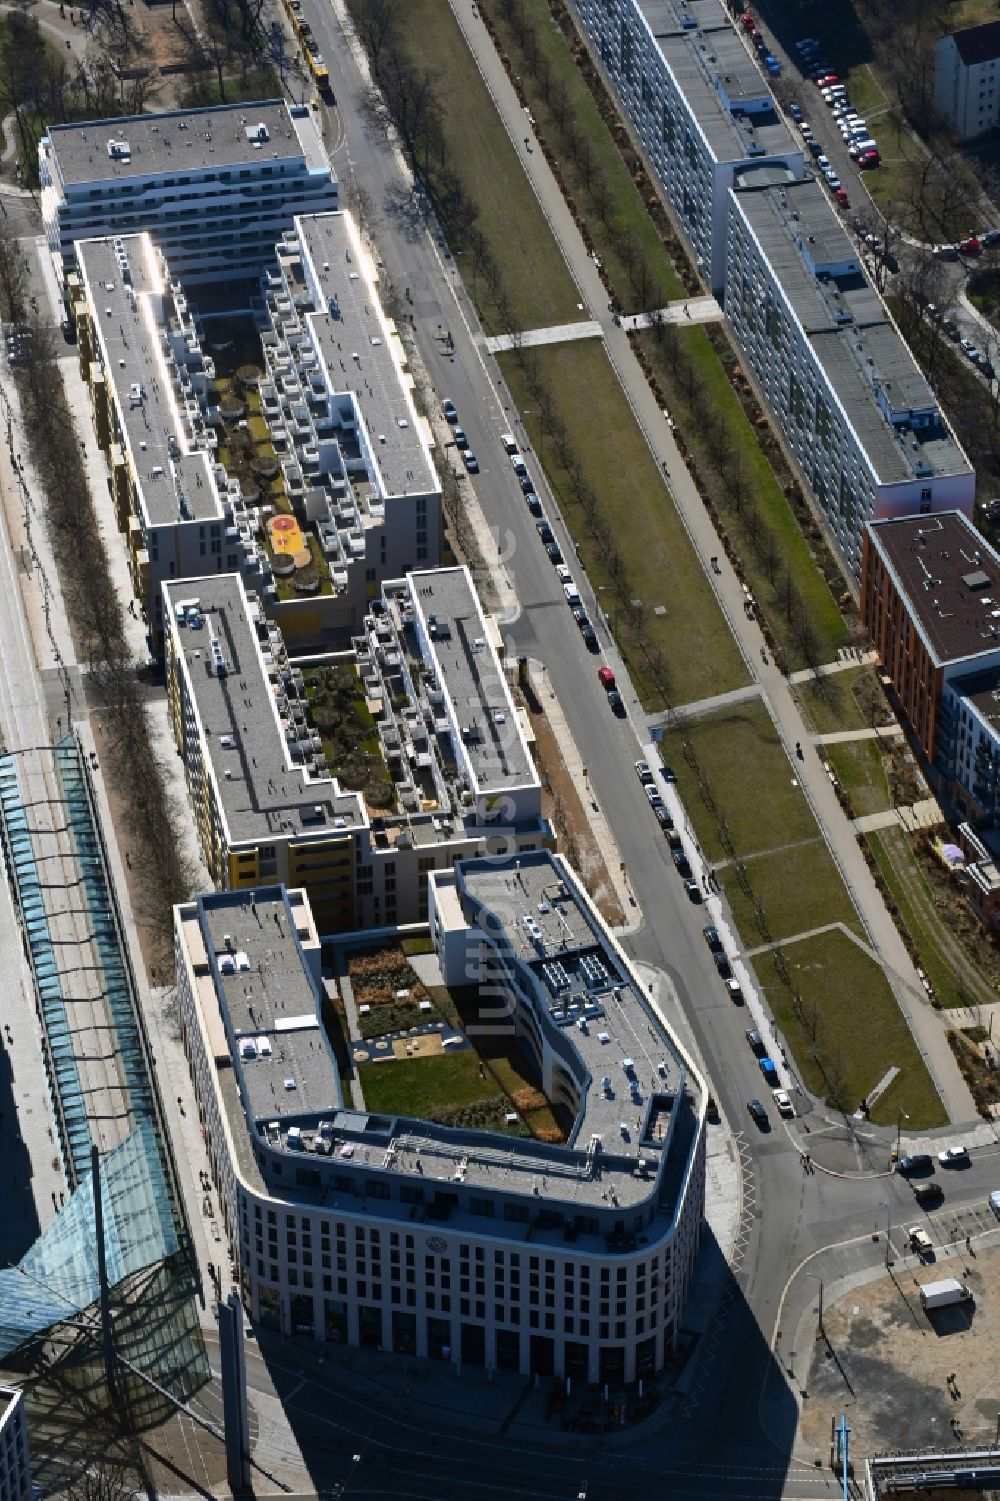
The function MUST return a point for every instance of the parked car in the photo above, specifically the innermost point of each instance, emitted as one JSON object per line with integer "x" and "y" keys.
{"x": 643, "y": 771}
{"x": 915, "y": 1162}
{"x": 543, "y": 529}
{"x": 520, "y": 467}
{"x": 822, "y": 162}
{"x": 667, "y": 773}
{"x": 795, "y": 110}
{"x": 970, "y": 246}
{"x": 470, "y": 461}
{"x": 919, "y": 1240}
{"x": 533, "y": 503}
{"x": 461, "y": 441}
{"x": 589, "y": 635}
{"x": 721, "y": 963}
{"x": 769, "y": 1071}
{"x": 927, "y": 1193}
{"x": 606, "y": 677}
{"x": 991, "y": 237}
{"x": 756, "y": 1042}
{"x": 735, "y": 990}
{"x": 449, "y": 409}
{"x": 758, "y": 1114}
{"x": 952, "y": 329}
{"x": 710, "y": 933}
{"x": 553, "y": 550}
{"x": 772, "y": 65}
{"x": 617, "y": 702}
{"x": 682, "y": 864}
{"x": 994, "y": 1201}
{"x": 954, "y": 1157}
{"x": 653, "y": 796}
{"x": 841, "y": 196}
{"x": 783, "y": 1102}
{"x": 693, "y": 891}
{"x": 509, "y": 443}
{"x": 663, "y": 818}
{"x": 527, "y": 483}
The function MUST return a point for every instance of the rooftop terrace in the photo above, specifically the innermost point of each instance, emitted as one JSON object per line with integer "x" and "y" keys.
{"x": 236, "y": 685}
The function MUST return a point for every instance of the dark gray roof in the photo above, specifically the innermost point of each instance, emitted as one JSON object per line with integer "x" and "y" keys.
{"x": 950, "y": 578}
{"x": 978, "y": 44}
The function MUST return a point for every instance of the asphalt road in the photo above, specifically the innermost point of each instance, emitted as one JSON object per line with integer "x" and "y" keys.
{"x": 796, "y": 1213}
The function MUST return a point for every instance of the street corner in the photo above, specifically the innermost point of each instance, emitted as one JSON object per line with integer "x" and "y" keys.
{"x": 906, "y": 1376}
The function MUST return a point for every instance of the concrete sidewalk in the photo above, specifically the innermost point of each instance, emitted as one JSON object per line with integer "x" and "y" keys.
{"x": 728, "y": 590}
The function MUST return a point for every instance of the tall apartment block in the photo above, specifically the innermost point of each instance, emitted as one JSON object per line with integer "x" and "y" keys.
{"x": 353, "y": 482}
{"x": 865, "y": 428}
{"x": 216, "y": 188}
{"x": 455, "y": 1244}
{"x": 697, "y": 102}
{"x": 268, "y": 806}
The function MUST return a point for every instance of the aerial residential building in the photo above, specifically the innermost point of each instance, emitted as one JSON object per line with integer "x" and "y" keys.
{"x": 151, "y": 386}
{"x": 699, "y": 104}
{"x": 966, "y": 81}
{"x": 216, "y": 188}
{"x": 338, "y": 400}
{"x": 269, "y": 808}
{"x": 931, "y": 603}
{"x": 456, "y": 1244}
{"x": 866, "y": 430}
{"x": 15, "y": 1470}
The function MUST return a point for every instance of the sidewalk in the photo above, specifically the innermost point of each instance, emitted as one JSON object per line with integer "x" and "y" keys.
{"x": 923, "y": 815}
{"x": 728, "y": 591}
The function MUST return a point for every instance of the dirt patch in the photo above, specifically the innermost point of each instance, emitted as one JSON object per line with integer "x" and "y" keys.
{"x": 898, "y": 1361}
{"x": 423, "y": 1046}
{"x": 563, "y": 806}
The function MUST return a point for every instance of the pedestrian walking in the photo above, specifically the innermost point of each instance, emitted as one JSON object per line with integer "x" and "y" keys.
{"x": 687, "y": 311}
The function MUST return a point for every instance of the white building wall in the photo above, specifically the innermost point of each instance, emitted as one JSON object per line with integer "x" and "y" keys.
{"x": 966, "y": 96}
{"x": 15, "y": 1469}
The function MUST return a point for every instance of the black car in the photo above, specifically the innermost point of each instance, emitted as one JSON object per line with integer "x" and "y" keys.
{"x": 682, "y": 863}
{"x": 663, "y": 818}
{"x": 757, "y": 1044}
{"x": 552, "y": 548}
{"x": 544, "y": 530}
{"x": 589, "y": 635}
{"x": 617, "y": 703}
{"x": 758, "y": 1114}
{"x": 916, "y": 1162}
{"x": 928, "y": 1193}
{"x": 527, "y": 483}
{"x": 711, "y": 936}
{"x": 675, "y": 840}
{"x": 721, "y": 963}
{"x": 461, "y": 441}
{"x": 533, "y": 503}
{"x": 667, "y": 773}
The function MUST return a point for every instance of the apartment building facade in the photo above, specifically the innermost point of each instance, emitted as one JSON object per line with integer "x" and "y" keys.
{"x": 967, "y": 79}
{"x": 697, "y": 102}
{"x": 15, "y": 1466}
{"x": 216, "y": 188}
{"x": 865, "y": 429}
{"x": 452, "y": 1244}
{"x": 269, "y": 808}
{"x": 931, "y": 603}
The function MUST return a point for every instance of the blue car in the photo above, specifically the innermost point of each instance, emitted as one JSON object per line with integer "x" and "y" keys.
{"x": 769, "y": 1071}
{"x": 772, "y": 65}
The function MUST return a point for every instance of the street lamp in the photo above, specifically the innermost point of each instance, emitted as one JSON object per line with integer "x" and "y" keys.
{"x": 887, "y": 1206}
{"x": 817, "y": 1278}
{"x": 901, "y": 1117}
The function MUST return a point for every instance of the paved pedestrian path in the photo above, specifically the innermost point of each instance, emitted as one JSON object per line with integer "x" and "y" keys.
{"x": 844, "y": 737}
{"x": 706, "y": 705}
{"x": 849, "y": 658}
{"x": 776, "y": 691}
{"x": 689, "y": 310}
{"x": 923, "y": 815}
{"x": 559, "y": 333}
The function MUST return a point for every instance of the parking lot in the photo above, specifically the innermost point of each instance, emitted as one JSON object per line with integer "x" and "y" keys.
{"x": 906, "y": 1378}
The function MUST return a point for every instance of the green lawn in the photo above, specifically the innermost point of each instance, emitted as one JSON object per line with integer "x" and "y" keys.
{"x": 851, "y": 1016}
{"x": 841, "y": 700}
{"x": 687, "y": 651}
{"x": 590, "y": 164}
{"x": 891, "y": 848}
{"x": 799, "y": 889}
{"x": 750, "y": 779}
{"x": 861, "y": 770}
{"x": 478, "y": 149}
{"x": 424, "y": 1087}
{"x": 805, "y": 620}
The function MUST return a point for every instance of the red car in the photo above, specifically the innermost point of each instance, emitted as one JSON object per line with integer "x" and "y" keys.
{"x": 827, "y": 81}
{"x": 607, "y": 678}
{"x": 971, "y": 246}
{"x": 842, "y": 197}
{"x": 749, "y": 24}
{"x": 868, "y": 160}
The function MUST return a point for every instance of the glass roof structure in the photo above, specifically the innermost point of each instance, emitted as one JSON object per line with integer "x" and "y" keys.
{"x": 58, "y": 1280}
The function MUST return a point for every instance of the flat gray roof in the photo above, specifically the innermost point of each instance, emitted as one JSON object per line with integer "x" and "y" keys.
{"x": 361, "y": 353}
{"x": 178, "y": 141}
{"x": 272, "y": 1006}
{"x": 262, "y": 794}
{"x": 128, "y": 315}
{"x": 949, "y": 576}
{"x": 269, "y": 998}
{"x": 469, "y": 673}
{"x": 845, "y": 320}
{"x": 732, "y": 137}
